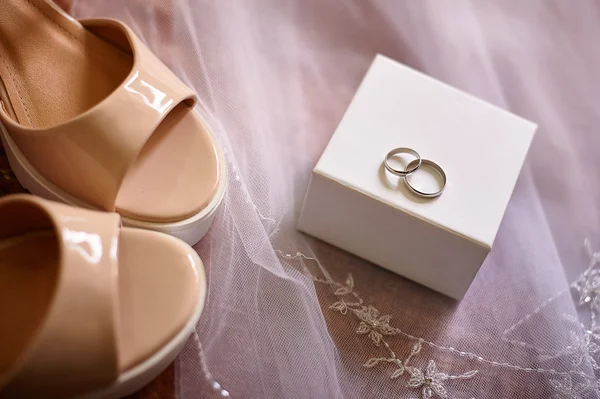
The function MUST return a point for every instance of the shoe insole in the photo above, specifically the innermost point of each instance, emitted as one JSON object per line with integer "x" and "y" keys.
{"x": 158, "y": 286}
{"x": 52, "y": 69}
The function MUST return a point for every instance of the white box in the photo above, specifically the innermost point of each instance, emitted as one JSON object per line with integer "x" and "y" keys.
{"x": 354, "y": 204}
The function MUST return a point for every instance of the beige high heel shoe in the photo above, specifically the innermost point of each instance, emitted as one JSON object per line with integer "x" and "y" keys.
{"x": 90, "y": 117}
{"x": 89, "y": 309}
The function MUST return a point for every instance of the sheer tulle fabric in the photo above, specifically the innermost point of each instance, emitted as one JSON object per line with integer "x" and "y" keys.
{"x": 283, "y": 319}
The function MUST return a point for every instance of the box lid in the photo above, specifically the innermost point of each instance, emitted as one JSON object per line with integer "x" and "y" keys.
{"x": 481, "y": 148}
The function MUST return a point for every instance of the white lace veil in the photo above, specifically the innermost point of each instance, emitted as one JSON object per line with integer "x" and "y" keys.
{"x": 282, "y": 317}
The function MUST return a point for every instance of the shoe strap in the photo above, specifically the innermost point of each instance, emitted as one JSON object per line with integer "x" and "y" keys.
{"x": 76, "y": 347}
{"x": 89, "y": 156}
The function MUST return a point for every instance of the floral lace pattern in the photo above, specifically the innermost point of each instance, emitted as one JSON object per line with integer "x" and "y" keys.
{"x": 588, "y": 288}
{"x": 565, "y": 389}
{"x": 430, "y": 382}
{"x": 584, "y": 344}
{"x": 583, "y": 347}
{"x": 584, "y": 339}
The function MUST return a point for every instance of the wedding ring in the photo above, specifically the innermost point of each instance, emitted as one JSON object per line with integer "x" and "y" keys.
{"x": 409, "y": 169}
{"x": 414, "y": 165}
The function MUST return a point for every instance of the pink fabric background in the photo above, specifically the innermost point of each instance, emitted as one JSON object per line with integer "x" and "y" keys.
{"x": 274, "y": 78}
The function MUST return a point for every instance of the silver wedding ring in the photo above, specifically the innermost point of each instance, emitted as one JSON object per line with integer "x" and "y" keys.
{"x": 407, "y": 171}
{"x": 435, "y": 167}
{"x": 412, "y": 167}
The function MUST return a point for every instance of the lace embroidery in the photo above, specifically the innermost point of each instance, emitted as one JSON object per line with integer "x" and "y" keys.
{"x": 373, "y": 324}
{"x": 586, "y": 286}
{"x": 377, "y": 327}
{"x": 564, "y": 389}
{"x": 432, "y": 381}
{"x": 584, "y": 343}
